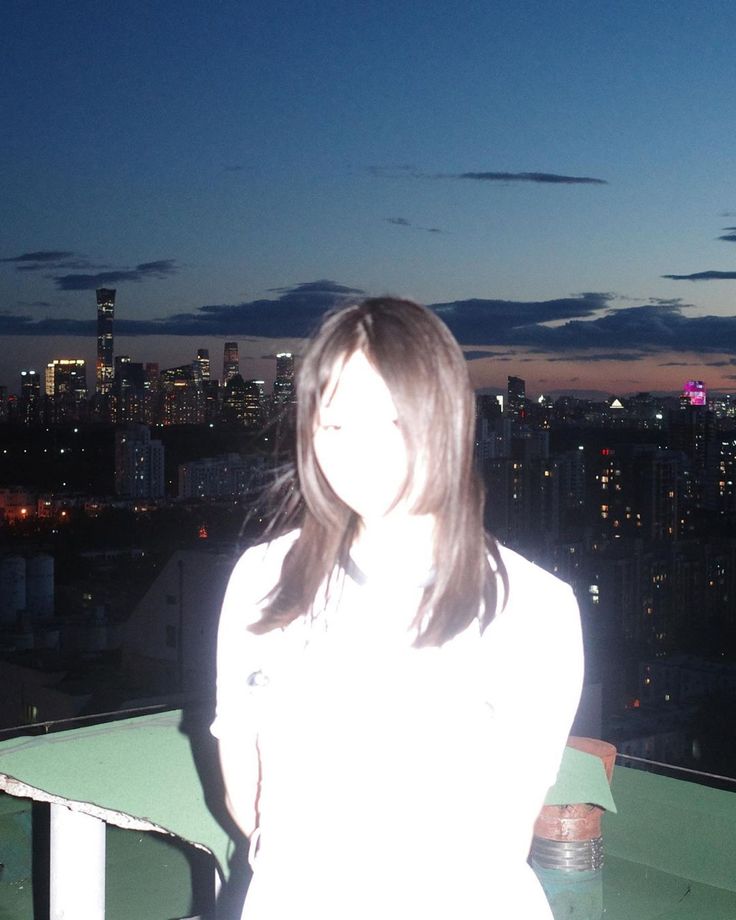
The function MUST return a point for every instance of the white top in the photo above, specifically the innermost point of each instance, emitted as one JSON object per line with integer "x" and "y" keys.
{"x": 396, "y": 781}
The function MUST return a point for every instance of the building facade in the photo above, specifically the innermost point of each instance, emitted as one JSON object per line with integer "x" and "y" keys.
{"x": 105, "y": 316}
{"x": 139, "y": 464}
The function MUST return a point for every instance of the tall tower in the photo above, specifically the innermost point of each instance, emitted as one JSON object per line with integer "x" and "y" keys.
{"x": 105, "y": 316}
{"x": 201, "y": 365}
{"x": 283, "y": 385}
{"x": 30, "y": 396}
{"x": 516, "y": 399}
{"x": 230, "y": 362}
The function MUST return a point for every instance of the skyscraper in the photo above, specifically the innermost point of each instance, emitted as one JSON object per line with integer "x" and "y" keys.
{"x": 66, "y": 386}
{"x": 128, "y": 390}
{"x": 695, "y": 393}
{"x": 67, "y": 377}
{"x": 230, "y": 362}
{"x": 516, "y": 399}
{"x": 201, "y": 365}
{"x": 105, "y": 316}
{"x": 30, "y": 396}
{"x": 283, "y": 386}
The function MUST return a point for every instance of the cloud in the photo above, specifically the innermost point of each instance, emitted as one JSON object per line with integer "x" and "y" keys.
{"x": 496, "y": 322}
{"x": 583, "y": 327}
{"x": 85, "y": 282}
{"x": 43, "y": 255}
{"x": 322, "y": 288}
{"x": 295, "y": 313}
{"x": 729, "y": 235}
{"x": 545, "y": 178}
{"x": 57, "y": 259}
{"x": 649, "y": 328}
{"x": 552, "y": 178}
{"x": 669, "y": 301}
{"x": 46, "y": 259}
{"x": 704, "y": 276}
{"x": 236, "y": 167}
{"x": 476, "y": 355}
{"x": 403, "y": 222}
{"x": 76, "y": 264}
{"x": 608, "y": 334}
{"x": 605, "y": 356}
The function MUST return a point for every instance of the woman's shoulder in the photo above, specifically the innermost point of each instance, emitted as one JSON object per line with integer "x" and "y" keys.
{"x": 539, "y": 622}
{"x": 258, "y": 569}
{"x": 525, "y": 574}
{"x": 532, "y": 590}
{"x": 267, "y": 555}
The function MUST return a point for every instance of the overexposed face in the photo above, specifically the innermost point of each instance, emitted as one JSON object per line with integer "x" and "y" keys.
{"x": 357, "y": 440}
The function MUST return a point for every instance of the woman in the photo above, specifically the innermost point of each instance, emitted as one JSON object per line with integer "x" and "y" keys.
{"x": 394, "y": 688}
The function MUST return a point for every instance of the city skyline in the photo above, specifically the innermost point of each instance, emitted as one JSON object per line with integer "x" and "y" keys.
{"x": 555, "y": 180}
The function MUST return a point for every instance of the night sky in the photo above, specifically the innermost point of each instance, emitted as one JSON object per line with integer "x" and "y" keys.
{"x": 556, "y": 178}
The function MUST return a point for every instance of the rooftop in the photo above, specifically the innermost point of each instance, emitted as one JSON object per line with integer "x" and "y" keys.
{"x": 670, "y": 850}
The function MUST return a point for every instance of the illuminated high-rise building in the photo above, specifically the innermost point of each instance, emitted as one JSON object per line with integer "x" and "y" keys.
{"x": 66, "y": 388}
{"x": 105, "y": 316}
{"x": 30, "y": 397}
{"x": 183, "y": 397}
{"x": 516, "y": 399}
{"x": 201, "y": 365}
{"x": 230, "y": 362}
{"x": 139, "y": 464}
{"x": 285, "y": 365}
{"x": 128, "y": 391}
{"x": 283, "y": 385}
{"x": 67, "y": 377}
{"x": 694, "y": 393}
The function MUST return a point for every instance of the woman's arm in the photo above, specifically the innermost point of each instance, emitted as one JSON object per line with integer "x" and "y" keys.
{"x": 240, "y": 654}
{"x": 240, "y": 766}
{"x": 537, "y": 667}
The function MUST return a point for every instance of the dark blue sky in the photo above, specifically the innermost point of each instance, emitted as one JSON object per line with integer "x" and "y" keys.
{"x": 525, "y": 163}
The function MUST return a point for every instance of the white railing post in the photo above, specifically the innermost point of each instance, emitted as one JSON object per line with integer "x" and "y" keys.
{"x": 77, "y": 865}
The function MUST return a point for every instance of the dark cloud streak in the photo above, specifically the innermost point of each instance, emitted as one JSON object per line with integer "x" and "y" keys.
{"x": 161, "y": 268}
{"x": 550, "y": 178}
{"x": 403, "y": 222}
{"x": 581, "y": 328}
{"x": 704, "y": 276}
{"x": 43, "y": 255}
{"x": 543, "y": 178}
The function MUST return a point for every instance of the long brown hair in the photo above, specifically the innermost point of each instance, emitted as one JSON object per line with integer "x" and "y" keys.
{"x": 426, "y": 374}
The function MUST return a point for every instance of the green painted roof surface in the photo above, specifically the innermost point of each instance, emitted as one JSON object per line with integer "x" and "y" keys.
{"x": 670, "y": 848}
{"x": 142, "y": 767}
{"x": 632, "y": 891}
{"x": 678, "y": 827}
{"x": 145, "y": 767}
{"x": 148, "y": 876}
